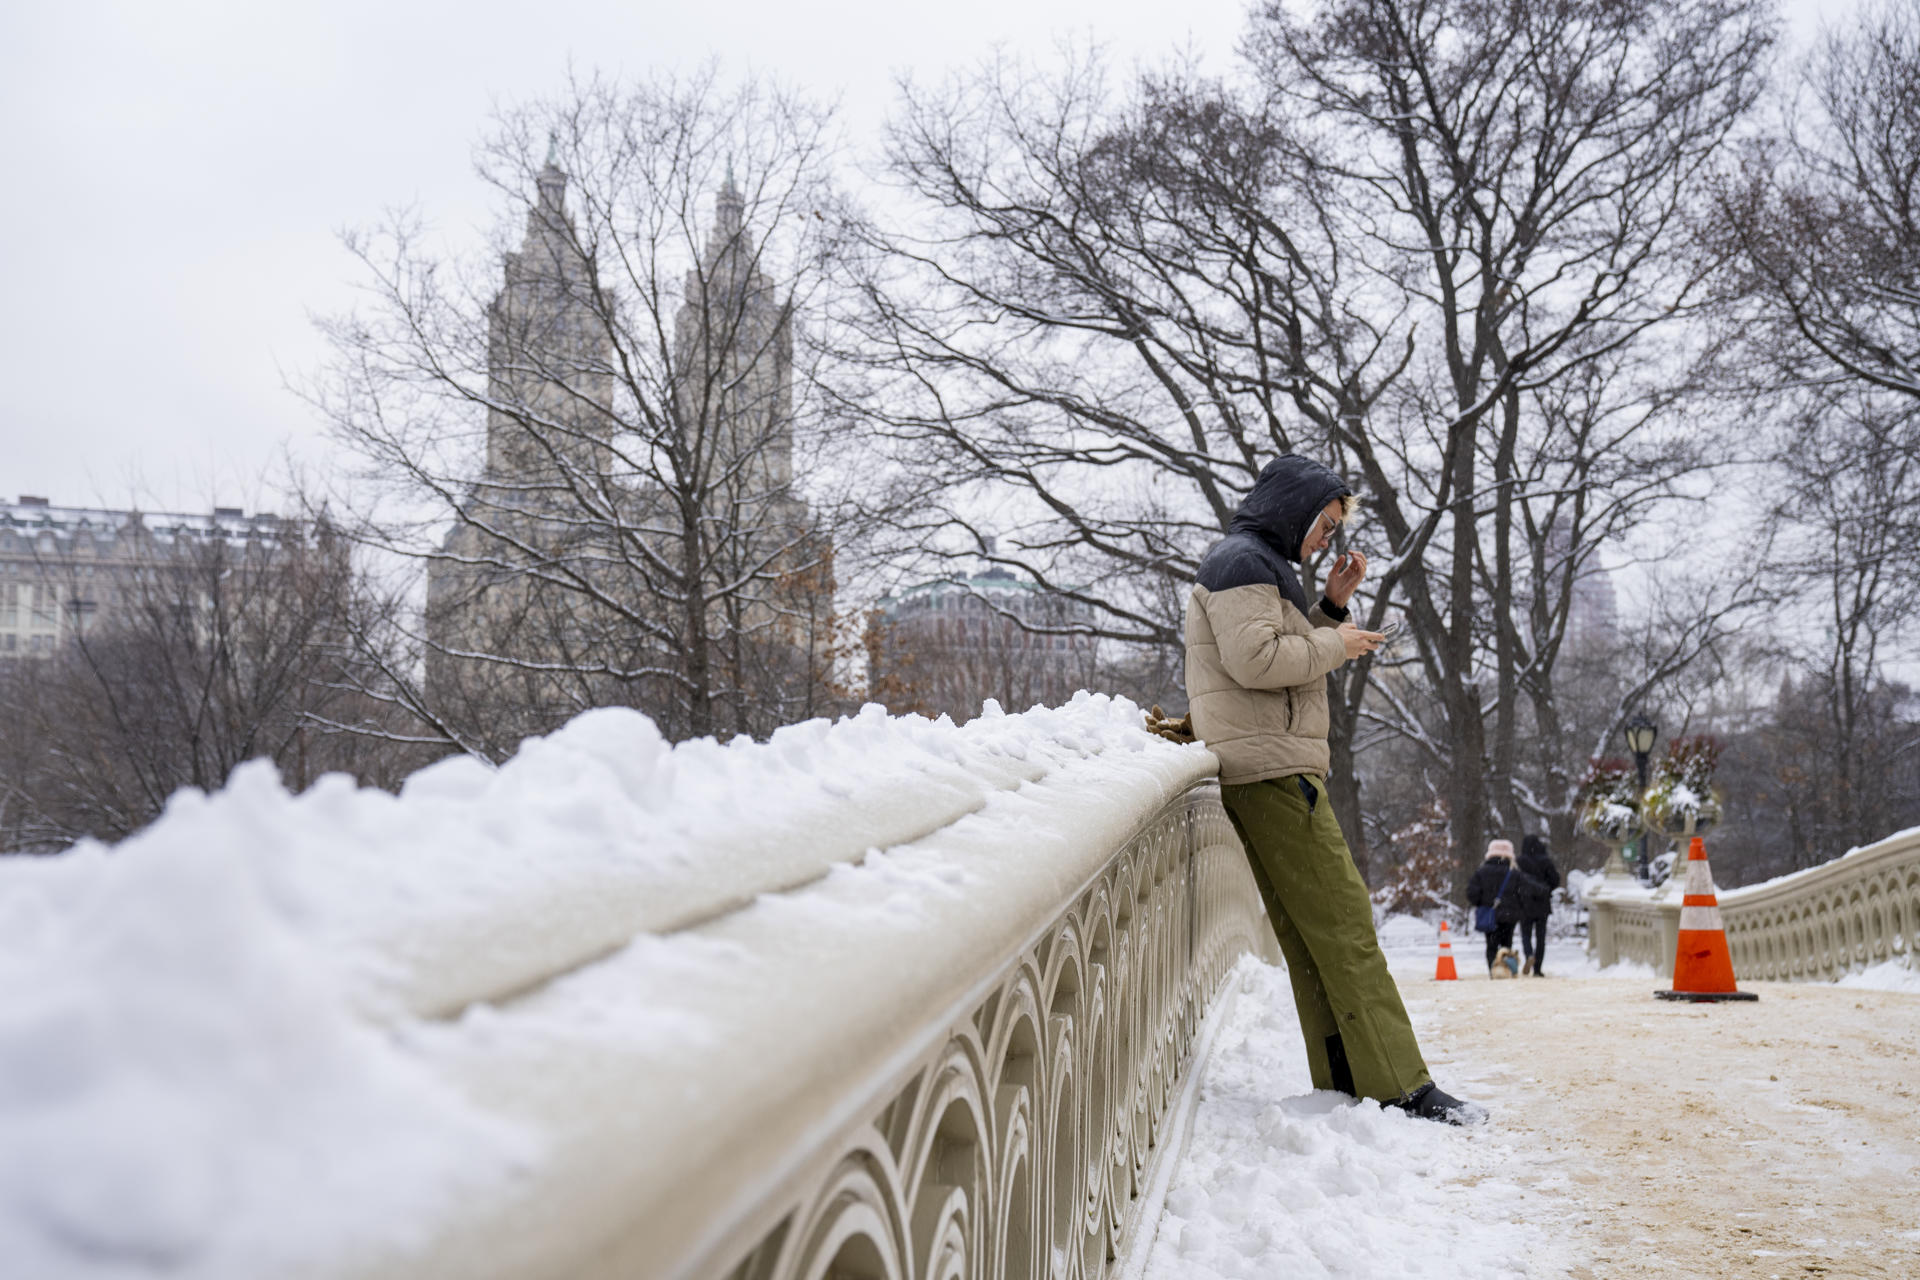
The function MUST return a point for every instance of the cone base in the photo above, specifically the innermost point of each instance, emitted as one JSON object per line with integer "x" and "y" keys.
{"x": 1705, "y": 997}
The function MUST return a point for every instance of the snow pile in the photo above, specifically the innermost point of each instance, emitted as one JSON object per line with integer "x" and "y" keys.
{"x": 1580, "y": 886}
{"x": 477, "y": 882}
{"x": 1414, "y": 941}
{"x": 1888, "y": 975}
{"x": 1278, "y": 1181}
{"x": 211, "y": 1055}
{"x": 183, "y": 1084}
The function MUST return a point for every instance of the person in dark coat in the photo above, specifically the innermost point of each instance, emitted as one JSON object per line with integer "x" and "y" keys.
{"x": 1537, "y": 864}
{"x": 1499, "y": 887}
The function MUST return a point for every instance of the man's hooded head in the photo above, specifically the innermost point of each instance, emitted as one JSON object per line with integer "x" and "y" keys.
{"x": 1290, "y": 494}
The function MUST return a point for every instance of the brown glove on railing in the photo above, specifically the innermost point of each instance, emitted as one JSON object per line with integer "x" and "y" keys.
{"x": 1180, "y": 730}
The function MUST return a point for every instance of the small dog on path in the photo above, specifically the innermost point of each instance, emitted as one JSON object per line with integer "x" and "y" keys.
{"x": 1505, "y": 963}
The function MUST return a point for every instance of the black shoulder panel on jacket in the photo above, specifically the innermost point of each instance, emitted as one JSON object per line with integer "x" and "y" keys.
{"x": 1239, "y": 560}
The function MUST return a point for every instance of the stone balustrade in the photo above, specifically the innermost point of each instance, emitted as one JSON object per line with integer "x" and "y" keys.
{"x": 985, "y": 1094}
{"x": 1814, "y": 925}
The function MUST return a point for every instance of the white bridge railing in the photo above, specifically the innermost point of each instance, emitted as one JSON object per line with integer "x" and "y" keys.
{"x": 970, "y": 1078}
{"x": 885, "y": 999}
{"x": 1017, "y": 1135}
{"x": 1814, "y": 925}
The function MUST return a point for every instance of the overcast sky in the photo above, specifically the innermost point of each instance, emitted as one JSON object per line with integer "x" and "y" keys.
{"x": 177, "y": 173}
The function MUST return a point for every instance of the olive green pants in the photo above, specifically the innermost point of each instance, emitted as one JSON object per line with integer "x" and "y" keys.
{"x": 1358, "y": 1038}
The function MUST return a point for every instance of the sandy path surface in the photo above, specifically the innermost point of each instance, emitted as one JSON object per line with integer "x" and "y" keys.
{"x": 1750, "y": 1140}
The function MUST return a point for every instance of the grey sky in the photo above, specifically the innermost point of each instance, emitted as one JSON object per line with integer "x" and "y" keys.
{"x": 176, "y": 174}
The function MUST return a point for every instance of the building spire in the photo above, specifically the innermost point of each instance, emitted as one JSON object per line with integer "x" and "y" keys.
{"x": 729, "y": 208}
{"x": 553, "y": 179}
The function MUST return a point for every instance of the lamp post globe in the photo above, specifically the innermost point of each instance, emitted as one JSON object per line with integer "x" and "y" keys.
{"x": 1640, "y": 733}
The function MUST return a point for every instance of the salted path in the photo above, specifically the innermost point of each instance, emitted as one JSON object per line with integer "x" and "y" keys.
{"x": 1631, "y": 1137}
{"x": 1773, "y": 1139}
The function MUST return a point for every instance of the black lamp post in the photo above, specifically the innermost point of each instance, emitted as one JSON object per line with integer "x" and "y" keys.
{"x": 1640, "y": 733}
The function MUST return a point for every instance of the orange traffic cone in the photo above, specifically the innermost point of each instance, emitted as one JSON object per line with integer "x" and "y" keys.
{"x": 1702, "y": 965}
{"x": 1444, "y": 971}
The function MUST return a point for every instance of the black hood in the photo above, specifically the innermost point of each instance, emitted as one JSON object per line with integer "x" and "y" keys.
{"x": 1263, "y": 541}
{"x": 1289, "y": 494}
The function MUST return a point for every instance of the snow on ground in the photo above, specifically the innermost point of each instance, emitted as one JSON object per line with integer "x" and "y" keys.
{"x": 1279, "y": 1180}
{"x": 1412, "y": 946}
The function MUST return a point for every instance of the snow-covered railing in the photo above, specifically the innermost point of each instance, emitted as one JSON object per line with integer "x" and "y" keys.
{"x": 1856, "y": 911}
{"x": 882, "y": 998}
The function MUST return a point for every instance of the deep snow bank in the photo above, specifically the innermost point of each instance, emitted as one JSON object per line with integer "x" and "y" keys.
{"x": 1281, "y": 1181}
{"x": 212, "y": 1059}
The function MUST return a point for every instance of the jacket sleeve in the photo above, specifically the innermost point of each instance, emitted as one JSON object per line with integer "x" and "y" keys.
{"x": 1328, "y": 614}
{"x": 1474, "y": 891}
{"x": 1257, "y": 649}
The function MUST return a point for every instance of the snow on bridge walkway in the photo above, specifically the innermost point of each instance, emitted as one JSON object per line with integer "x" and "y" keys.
{"x": 1630, "y": 1137}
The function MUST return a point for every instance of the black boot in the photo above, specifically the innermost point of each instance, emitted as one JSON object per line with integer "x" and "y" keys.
{"x": 1429, "y": 1103}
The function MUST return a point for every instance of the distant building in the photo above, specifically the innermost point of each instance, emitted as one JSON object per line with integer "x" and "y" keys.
{"x": 734, "y": 336}
{"x": 1593, "y": 608}
{"x": 549, "y": 384}
{"x": 65, "y": 571}
{"x": 510, "y": 620}
{"x": 945, "y": 647}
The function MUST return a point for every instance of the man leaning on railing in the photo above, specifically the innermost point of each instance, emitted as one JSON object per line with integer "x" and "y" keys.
{"x": 1257, "y": 664}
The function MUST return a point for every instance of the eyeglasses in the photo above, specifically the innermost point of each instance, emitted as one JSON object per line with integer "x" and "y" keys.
{"x": 1318, "y": 521}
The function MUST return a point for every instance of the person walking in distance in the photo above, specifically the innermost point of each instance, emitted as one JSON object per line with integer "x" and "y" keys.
{"x": 1537, "y": 864}
{"x": 1258, "y": 655}
{"x": 1498, "y": 892}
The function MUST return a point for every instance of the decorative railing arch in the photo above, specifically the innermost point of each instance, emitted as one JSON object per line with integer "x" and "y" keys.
{"x": 1018, "y": 1148}
{"x": 1815, "y": 925}
{"x": 988, "y": 1105}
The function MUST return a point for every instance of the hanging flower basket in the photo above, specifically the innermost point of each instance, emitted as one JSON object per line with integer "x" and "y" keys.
{"x": 1604, "y": 806}
{"x": 1682, "y": 787}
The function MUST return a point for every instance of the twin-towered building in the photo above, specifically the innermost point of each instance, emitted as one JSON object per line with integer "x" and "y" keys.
{"x": 607, "y": 522}
{"x": 633, "y": 534}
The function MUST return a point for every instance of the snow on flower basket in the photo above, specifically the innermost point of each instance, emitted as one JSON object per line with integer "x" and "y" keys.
{"x": 1605, "y": 804}
{"x": 1681, "y": 800}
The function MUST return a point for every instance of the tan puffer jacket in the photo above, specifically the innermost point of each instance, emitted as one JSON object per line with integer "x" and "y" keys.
{"x": 1257, "y": 655}
{"x": 1257, "y": 681}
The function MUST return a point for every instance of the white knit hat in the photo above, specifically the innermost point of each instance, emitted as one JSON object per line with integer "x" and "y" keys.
{"x": 1500, "y": 849}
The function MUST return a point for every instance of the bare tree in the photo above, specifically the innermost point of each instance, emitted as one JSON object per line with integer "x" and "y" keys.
{"x": 1417, "y": 244}
{"x": 1114, "y": 309}
{"x": 1530, "y": 167}
{"x": 1827, "y": 218}
{"x": 598, "y": 446}
{"x": 196, "y": 653}
{"x": 1848, "y": 464}
{"x": 1824, "y": 240}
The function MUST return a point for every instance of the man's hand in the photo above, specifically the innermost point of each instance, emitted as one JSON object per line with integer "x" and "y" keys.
{"x": 1359, "y": 643}
{"x": 1348, "y": 569}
